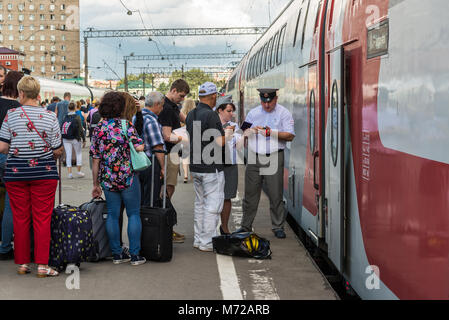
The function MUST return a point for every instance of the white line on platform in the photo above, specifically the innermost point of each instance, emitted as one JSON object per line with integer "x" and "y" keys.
{"x": 263, "y": 285}
{"x": 229, "y": 283}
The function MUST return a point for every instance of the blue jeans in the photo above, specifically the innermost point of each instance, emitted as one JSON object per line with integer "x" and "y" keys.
{"x": 131, "y": 199}
{"x": 7, "y": 227}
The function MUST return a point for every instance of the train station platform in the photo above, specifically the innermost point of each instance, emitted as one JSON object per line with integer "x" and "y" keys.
{"x": 191, "y": 275}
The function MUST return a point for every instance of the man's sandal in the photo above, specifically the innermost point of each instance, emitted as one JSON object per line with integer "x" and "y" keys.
{"x": 24, "y": 269}
{"x": 43, "y": 272}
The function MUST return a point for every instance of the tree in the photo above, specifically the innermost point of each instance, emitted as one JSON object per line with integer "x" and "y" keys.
{"x": 134, "y": 77}
{"x": 163, "y": 88}
{"x": 194, "y": 77}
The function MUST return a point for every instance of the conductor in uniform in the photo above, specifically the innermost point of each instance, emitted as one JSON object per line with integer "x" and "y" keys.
{"x": 271, "y": 126}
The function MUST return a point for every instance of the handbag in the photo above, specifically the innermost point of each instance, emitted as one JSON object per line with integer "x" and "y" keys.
{"x": 139, "y": 160}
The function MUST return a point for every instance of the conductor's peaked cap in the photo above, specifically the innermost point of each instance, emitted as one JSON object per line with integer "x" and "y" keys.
{"x": 267, "y": 94}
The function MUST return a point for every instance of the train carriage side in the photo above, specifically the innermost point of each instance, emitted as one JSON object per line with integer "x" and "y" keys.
{"x": 367, "y": 175}
{"x": 51, "y": 88}
{"x": 391, "y": 57}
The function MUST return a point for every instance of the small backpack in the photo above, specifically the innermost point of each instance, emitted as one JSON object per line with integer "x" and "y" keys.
{"x": 95, "y": 119}
{"x": 69, "y": 128}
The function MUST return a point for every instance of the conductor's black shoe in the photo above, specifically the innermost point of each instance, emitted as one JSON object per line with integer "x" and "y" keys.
{"x": 8, "y": 255}
{"x": 242, "y": 229}
{"x": 279, "y": 234}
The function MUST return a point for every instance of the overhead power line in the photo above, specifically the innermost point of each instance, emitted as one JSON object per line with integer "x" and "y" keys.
{"x": 173, "y": 32}
{"x": 184, "y": 56}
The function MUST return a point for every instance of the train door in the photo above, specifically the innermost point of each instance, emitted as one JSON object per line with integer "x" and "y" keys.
{"x": 335, "y": 145}
{"x": 311, "y": 193}
{"x": 241, "y": 108}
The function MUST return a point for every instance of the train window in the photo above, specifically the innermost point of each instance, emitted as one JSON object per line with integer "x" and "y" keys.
{"x": 334, "y": 123}
{"x": 312, "y": 121}
{"x": 305, "y": 25}
{"x": 273, "y": 51}
{"x": 296, "y": 29}
{"x": 253, "y": 70}
{"x": 250, "y": 68}
{"x": 317, "y": 18}
{"x": 257, "y": 63}
{"x": 231, "y": 84}
{"x": 259, "y": 57}
{"x": 267, "y": 60}
{"x": 280, "y": 46}
{"x": 265, "y": 55}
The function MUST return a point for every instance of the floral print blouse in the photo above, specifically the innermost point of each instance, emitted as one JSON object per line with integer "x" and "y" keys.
{"x": 110, "y": 146}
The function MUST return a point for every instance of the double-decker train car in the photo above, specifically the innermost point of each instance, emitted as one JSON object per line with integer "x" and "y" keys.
{"x": 367, "y": 176}
{"x": 51, "y": 88}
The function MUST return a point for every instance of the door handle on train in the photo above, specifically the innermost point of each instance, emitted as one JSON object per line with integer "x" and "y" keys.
{"x": 315, "y": 155}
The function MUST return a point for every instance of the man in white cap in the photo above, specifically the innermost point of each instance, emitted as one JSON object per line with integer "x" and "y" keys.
{"x": 271, "y": 127}
{"x": 206, "y": 166}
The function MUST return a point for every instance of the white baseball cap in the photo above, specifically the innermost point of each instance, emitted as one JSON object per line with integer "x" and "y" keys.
{"x": 207, "y": 88}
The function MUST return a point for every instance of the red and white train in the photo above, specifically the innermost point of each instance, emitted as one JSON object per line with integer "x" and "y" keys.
{"x": 367, "y": 176}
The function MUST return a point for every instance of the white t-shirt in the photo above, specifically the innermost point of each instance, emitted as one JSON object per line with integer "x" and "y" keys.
{"x": 280, "y": 119}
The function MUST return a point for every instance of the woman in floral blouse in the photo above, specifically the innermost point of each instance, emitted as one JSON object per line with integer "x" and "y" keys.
{"x": 112, "y": 172}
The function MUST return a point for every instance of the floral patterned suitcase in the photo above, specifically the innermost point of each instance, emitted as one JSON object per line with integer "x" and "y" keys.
{"x": 71, "y": 236}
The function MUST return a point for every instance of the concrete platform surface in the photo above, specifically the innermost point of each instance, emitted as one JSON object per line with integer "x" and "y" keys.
{"x": 191, "y": 275}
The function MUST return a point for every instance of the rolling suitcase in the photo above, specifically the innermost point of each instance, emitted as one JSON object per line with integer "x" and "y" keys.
{"x": 71, "y": 235}
{"x": 157, "y": 225}
{"x": 98, "y": 212}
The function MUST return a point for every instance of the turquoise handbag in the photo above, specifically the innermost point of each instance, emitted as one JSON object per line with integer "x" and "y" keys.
{"x": 139, "y": 160}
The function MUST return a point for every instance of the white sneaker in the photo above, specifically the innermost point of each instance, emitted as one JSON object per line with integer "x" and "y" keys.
{"x": 70, "y": 176}
{"x": 80, "y": 174}
{"x": 206, "y": 249}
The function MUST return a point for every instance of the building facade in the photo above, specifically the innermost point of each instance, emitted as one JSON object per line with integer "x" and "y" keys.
{"x": 11, "y": 59}
{"x": 46, "y": 31}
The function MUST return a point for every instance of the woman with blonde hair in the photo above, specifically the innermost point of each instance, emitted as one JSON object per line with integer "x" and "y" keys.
{"x": 31, "y": 137}
{"x": 187, "y": 106}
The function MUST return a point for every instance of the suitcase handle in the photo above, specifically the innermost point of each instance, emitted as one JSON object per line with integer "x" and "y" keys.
{"x": 154, "y": 151}
{"x": 97, "y": 199}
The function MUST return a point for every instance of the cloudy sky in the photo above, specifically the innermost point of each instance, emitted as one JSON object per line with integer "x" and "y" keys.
{"x": 112, "y": 14}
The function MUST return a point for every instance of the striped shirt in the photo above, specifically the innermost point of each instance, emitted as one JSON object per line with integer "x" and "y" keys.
{"x": 30, "y": 158}
{"x": 152, "y": 132}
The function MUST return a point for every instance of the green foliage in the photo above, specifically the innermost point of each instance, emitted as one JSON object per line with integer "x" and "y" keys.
{"x": 194, "y": 77}
{"x": 135, "y": 77}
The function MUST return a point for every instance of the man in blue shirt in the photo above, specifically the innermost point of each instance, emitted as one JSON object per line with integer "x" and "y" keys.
{"x": 62, "y": 108}
{"x": 153, "y": 140}
{"x": 52, "y": 105}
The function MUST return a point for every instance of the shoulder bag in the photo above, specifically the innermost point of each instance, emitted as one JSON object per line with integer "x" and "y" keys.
{"x": 139, "y": 160}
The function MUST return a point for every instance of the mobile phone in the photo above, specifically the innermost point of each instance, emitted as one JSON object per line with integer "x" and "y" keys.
{"x": 246, "y": 125}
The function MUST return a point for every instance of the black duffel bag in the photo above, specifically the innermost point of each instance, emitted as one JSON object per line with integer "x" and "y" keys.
{"x": 242, "y": 244}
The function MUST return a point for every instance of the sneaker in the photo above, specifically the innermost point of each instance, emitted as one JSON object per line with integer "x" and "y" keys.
{"x": 206, "y": 249}
{"x": 196, "y": 245}
{"x": 137, "y": 260}
{"x": 178, "y": 238}
{"x": 280, "y": 234}
{"x": 80, "y": 174}
{"x": 70, "y": 176}
{"x": 121, "y": 258}
{"x": 8, "y": 255}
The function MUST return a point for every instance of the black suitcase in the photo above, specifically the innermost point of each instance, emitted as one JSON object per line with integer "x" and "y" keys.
{"x": 157, "y": 226}
{"x": 98, "y": 211}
